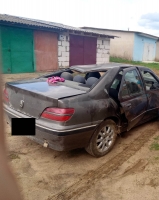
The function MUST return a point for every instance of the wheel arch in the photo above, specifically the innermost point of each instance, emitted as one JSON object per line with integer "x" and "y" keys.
{"x": 92, "y": 148}
{"x": 114, "y": 118}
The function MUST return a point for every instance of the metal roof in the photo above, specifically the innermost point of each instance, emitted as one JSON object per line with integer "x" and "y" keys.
{"x": 117, "y": 30}
{"x": 20, "y": 20}
{"x": 15, "y": 21}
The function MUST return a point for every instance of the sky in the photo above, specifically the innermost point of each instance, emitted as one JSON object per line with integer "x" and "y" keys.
{"x": 135, "y": 15}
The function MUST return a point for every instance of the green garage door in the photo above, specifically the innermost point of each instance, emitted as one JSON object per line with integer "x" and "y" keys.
{"x": 17, "y": 50}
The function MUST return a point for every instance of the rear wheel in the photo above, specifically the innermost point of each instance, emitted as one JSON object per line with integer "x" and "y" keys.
{"x": 103, "y": 139}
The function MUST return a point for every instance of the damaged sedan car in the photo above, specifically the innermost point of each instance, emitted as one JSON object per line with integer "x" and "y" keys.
{"x": 85, "y": 106}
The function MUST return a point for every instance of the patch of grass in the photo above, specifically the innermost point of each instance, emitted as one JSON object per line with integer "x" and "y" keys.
{"x": 156, "y": 138}
{"x": 154, "y": 146}
{"x": 122, "y": 60}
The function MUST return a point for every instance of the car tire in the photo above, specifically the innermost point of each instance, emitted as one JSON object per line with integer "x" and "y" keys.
{"x": 103, "y": 139}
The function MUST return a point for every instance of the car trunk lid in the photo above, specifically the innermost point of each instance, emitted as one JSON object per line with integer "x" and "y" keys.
{"x": 32, "y": 97}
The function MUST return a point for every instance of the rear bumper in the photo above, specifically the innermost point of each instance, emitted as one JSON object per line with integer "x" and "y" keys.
{"x": 59, "y": 140}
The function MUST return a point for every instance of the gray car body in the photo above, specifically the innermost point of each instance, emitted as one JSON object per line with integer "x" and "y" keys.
{"x": 92, "y": 106}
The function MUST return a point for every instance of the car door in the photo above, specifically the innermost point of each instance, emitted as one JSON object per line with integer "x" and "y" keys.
{"x": 132, "y": 97}
{"x": 152, "y": 91}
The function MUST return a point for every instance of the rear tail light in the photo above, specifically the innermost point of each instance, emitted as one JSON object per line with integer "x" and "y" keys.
{"x": 58, "y": 114}
{"x": 5, "y": 96}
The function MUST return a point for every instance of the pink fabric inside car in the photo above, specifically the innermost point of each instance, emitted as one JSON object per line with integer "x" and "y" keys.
{"x": 55, "y": 79}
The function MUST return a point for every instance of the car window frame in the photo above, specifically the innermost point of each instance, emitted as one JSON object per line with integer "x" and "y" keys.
{"x": 128, "y": 97}
{"x": 152, "y": 74}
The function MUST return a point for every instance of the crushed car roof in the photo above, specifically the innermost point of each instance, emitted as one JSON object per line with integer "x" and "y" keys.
{"x": 98, "y": 67}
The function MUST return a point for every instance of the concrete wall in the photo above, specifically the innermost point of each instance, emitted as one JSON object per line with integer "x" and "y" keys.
{"x": 157, "y": 51}
{"x": 103, "y": 50}
{"x": 120, "y": 47}
{"x": 63, "y": 50}
{"x": 139, "y": 42}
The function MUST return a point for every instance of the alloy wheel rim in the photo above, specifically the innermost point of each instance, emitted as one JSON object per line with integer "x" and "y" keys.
{"x": 104, "y": 138}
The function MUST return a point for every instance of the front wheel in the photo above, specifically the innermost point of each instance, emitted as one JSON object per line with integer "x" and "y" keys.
{"x": 103, "y": 139}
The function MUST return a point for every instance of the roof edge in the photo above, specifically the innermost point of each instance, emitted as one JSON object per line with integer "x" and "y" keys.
{"x": 94, "y": 28}
{"x": 28, "y": 22}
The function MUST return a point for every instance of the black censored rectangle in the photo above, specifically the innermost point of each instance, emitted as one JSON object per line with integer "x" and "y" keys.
{"x": 23, "y": 126}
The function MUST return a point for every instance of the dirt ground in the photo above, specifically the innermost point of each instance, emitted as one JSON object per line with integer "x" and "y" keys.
{"x": 130, "y": 171}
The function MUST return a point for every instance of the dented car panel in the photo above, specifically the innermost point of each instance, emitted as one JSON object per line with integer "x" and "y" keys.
{"x": 128, "y": 95}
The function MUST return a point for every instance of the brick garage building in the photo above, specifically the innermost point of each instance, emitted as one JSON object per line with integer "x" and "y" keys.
{"x": 29, "y": 45}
